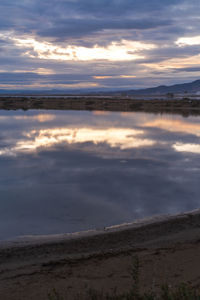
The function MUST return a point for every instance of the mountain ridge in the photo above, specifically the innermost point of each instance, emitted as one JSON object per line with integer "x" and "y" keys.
{"x": 190, "y": 88}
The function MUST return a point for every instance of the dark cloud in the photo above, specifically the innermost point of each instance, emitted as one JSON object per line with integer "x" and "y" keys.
{"x": 30, "y": 78}
{"x": 163, "y": 54}
{"x": 189, "y": 69}
{"x": 74, "y": 18}
{"x": 97, "y": 22}
{"x": 78, "y": 28}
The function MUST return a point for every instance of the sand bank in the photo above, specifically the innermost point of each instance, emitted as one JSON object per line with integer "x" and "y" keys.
{"x": 168, "y": 248}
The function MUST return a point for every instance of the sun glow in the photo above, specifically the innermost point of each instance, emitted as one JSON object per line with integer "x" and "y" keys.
{"x": 102, "y": 77}
{"x": 127, "y": 76}
{"x": 113, "y": 76}
{"x": 37, "y": 85}
{"x": 124, "y": 50}
{"x": 175, "y": 63}
{"x": 188, "y": 41}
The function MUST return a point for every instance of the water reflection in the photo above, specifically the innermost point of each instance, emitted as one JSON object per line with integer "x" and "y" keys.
{"x": 122, "y": 138}
{"x": 176, "y": 126}
{"x": 70, "y": 171}
{"x": 193, "y": 148}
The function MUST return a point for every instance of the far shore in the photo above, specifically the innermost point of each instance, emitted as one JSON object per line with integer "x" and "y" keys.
{"x": 184, "y": 105}
{"x": 168, "y": 249}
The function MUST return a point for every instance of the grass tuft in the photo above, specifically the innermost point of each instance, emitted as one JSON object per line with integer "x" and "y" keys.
{"x": 181, "y": 292}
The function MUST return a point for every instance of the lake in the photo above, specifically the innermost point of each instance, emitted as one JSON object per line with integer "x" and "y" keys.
{"x": 67, "y": 171}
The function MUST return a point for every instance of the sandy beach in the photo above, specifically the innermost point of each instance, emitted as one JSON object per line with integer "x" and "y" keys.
{"x": 168, "y": 249}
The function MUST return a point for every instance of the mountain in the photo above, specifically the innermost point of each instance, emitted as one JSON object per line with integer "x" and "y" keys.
{"x": 190, "y": 88}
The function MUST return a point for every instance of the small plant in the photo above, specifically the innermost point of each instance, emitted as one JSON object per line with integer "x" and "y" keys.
{"x": 182, "y": 292}
{"x": 135, "y": 289}
{"x": 54, "y": 295}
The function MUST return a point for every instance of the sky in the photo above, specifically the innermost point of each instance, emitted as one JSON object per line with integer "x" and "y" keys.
{"x": 98, "y": 44}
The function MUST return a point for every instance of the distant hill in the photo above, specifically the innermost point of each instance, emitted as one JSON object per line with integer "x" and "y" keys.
{"x": 190, "y": 88}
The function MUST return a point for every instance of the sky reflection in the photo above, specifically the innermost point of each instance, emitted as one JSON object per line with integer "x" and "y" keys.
{"x": 121, "y": 138}
{"x": 68, "y": 171}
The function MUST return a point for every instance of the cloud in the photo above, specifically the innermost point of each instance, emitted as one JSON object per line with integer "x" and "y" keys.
{"x": 130, "y": 38}
{"x": 184, "y": 41}
{"x": 76, "y": 28}
{"x": 191, "y": 148}
{"x": 125, "y": 50}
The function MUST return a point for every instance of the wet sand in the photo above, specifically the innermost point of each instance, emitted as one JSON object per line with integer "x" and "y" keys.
{"x": 184, "y": 106}
{"x": 168, "y": 249}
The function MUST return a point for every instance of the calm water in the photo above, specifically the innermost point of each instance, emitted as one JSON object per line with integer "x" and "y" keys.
{"x": 66, "y": 171}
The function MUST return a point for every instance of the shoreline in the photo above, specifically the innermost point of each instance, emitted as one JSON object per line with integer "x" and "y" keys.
{"x": 41, "y": 239}
{"x": 184, "y": 106}
{"x": 168, "y": 248}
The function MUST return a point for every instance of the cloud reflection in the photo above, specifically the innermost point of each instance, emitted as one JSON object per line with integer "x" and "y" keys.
{"x": 175, "y": 126}
{"x": 83, "y": 170}
{"x": 122, "y": 138}
{"x": 192, "y": 148}
{"x": 41, "y": 118}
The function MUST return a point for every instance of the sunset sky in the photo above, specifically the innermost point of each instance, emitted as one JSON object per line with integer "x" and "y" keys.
{"x": 98, "y": 44}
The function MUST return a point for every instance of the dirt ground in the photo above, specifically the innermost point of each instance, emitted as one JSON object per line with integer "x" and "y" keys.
{"x": 168, "y": 250}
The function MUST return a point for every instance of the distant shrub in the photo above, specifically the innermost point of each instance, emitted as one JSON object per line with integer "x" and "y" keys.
{"x": 170, "y": 95}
